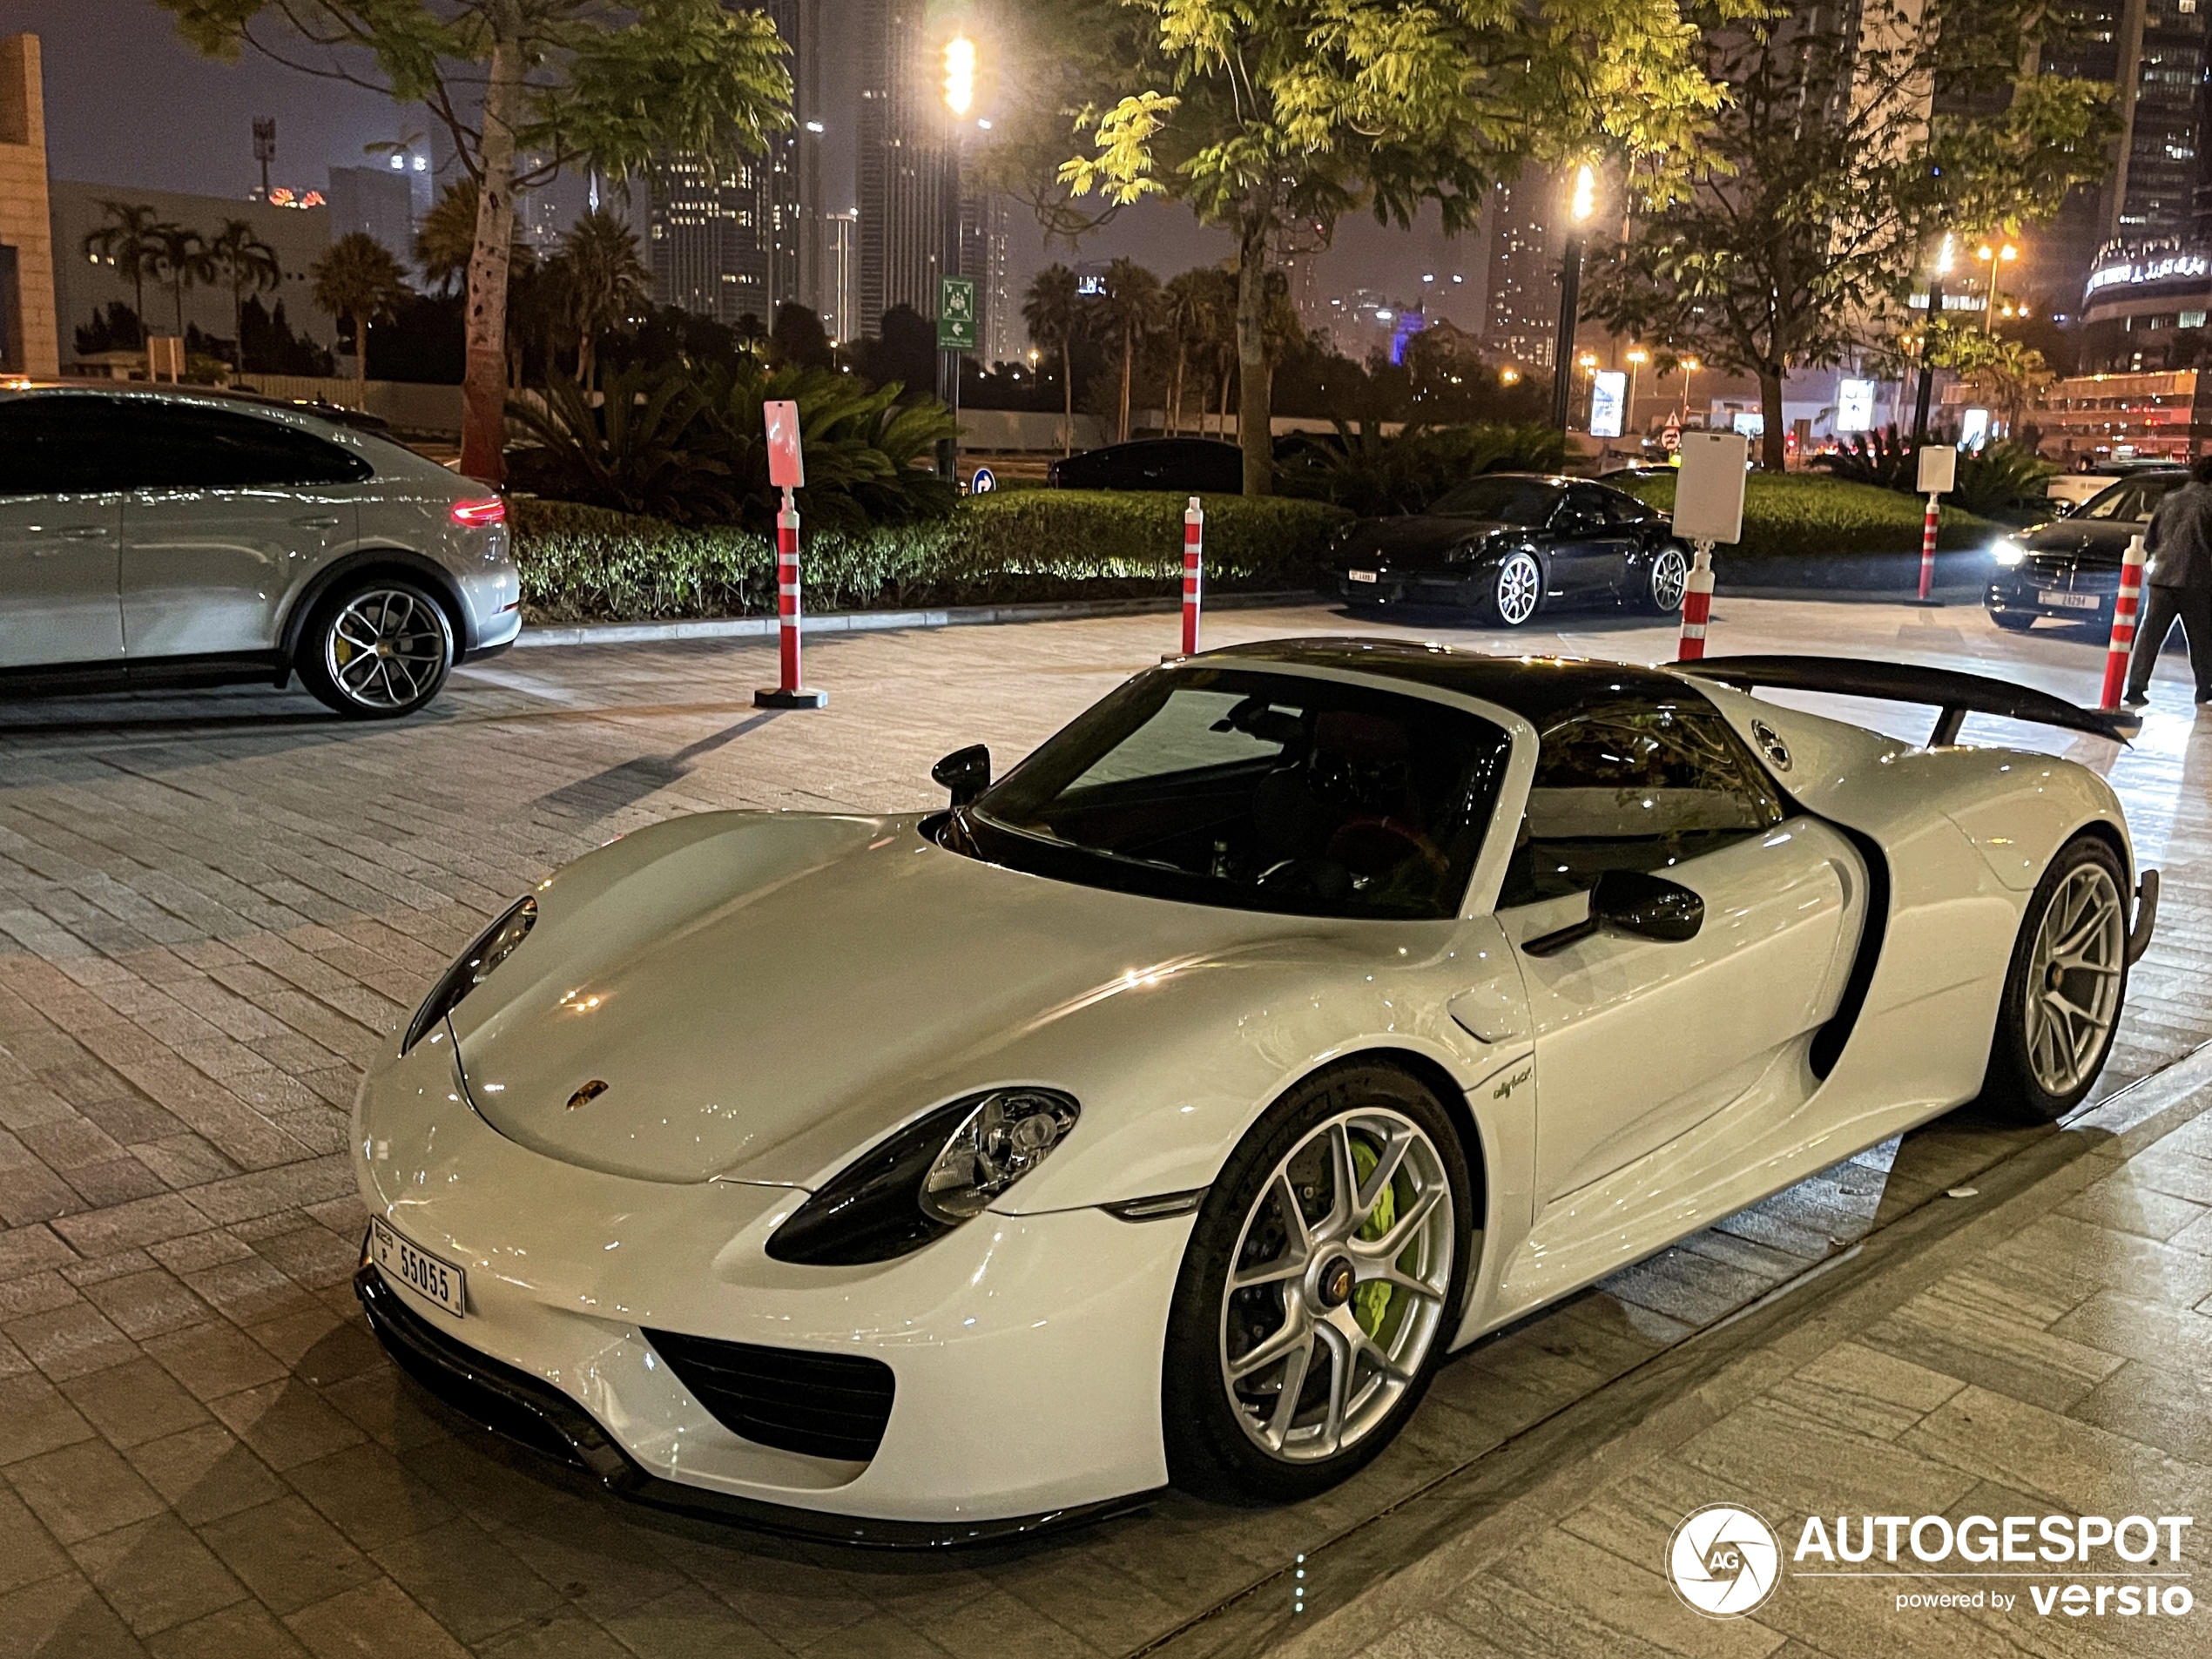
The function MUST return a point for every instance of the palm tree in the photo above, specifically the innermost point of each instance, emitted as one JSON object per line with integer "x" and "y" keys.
{"x": 359, "y": 279}
{"x": 249, "y": 266}
{"x": 1053, "y": 309}
{"x": 1185, "y": 308}
{"x": 128, "y": 241}
{"x": 1128, "y": 307}
{"x": 608, "y": 281}
{"x": 182, "y": 260}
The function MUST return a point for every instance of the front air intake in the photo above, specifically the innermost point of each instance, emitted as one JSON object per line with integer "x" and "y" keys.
{"x": 822, "y": 1405}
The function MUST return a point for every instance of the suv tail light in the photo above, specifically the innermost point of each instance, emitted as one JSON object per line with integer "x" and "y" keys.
{"x": 474, "y": 515}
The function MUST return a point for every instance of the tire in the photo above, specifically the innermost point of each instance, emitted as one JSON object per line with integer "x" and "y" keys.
{"x": 2013, "y": 621}
{"x": 1228, "y": 1435}
{"x": 2055, "y": 1022}
{"x": 378, "y": 649}
{"x": 1516, "y": 592}
{"x": 1666, "y": 582}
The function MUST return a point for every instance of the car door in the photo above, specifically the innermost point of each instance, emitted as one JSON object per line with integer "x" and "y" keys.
{"x": 60, "y": 533}
{"x": 1637, "y": 1042}
{"x": 1587, "y": 547}
{"x": 232, "y": 510}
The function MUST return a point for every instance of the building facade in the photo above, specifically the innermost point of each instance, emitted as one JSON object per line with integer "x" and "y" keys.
{"x": 379, "y": 202}
{"x": 1520, "y": 304}
{"x": 840, "y": 251}
{"x": 29, "y": 328}
{"x": 909, "y": 222}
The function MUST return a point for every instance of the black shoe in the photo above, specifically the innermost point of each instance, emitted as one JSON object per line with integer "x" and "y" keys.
{"x": 2138, "y": 699}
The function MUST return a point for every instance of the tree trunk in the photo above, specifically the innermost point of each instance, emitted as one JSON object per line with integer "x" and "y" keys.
{"x": 1129, "y": 361}
{"x": 1254, "y": 431}
{"x": 238, "y": 326}
{"x": 1774, "y": 444}
{"x": 179, "y": 292}
{"x": 1067, "y": 390}
{"x": 1175, "y": 401}
{"x": 484, "y": 398}
{"x": 361, "y": 362}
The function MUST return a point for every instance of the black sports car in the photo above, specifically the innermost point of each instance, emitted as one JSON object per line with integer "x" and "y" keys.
{"x": 2069, "y": 567}
{"x": 1507, "y": 544}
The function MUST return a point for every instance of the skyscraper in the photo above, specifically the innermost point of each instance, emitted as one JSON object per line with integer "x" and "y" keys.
{"x": 1520, "y": 312}
{"x": 378, "y": 201}
{"x": 907, "y": 238}
{"x": 840, "y": 247}
{"x": 983, "y": 241}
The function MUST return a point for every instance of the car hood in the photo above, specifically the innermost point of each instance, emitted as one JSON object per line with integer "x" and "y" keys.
{"x": 2093, "y": 541}
{"x": 1414, "y": 542}
{"x": 761, "y": 994}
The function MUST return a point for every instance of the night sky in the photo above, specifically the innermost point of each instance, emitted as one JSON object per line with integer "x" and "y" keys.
{"x": 128, "y": 103}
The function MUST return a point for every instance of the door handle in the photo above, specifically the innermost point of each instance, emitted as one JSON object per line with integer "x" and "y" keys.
{"x": 82, "y": 532}
{"x": 316, "y": 523}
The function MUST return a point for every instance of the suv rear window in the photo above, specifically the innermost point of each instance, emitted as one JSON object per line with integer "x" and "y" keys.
{"x": 72, "y": 442}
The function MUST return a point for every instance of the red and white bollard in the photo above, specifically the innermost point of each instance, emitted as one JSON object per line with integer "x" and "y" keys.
{"x": 1194, "y": 546}
{"x": 1927, "y": 547}
{"x": 1696, "y": 604}
{"x": 2126, "y": 610}
{"x": 791, "y": 693}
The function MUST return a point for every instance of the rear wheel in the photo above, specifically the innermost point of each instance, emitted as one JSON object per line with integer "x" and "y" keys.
{"x": 1516, "y": 589}
{"x": 1320, "y": 1287}
{"x": 376, "y": 649}
{"x": 1668, "y": 579}
{"x": 2064, "y": 988}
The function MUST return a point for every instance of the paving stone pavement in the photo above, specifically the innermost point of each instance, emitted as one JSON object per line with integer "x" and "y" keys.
{"x": 212, "y": 908}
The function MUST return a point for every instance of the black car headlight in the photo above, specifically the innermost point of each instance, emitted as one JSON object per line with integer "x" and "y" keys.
{"x": 924, "y": 1180}
{"x": 472, "y": 967}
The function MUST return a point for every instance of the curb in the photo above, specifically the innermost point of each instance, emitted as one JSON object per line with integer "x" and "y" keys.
{"x": 860, "y": 622}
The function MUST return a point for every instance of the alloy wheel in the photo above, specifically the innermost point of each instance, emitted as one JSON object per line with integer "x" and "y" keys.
{"x": 1336, "y": 1291}
{"x": 386, "y": 647}
{"x": 1520, "y": 583}
{"x": 1669, "y": 578}
{"x": 2074, "y": 978}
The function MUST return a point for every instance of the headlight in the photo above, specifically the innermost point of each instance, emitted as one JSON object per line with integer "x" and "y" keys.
{"x": 472, "y": 966}
{"x": 924, "y": 1180}
{"x": 2007, "y": 552}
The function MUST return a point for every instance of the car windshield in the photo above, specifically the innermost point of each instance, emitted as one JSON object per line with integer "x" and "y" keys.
{"x": 1503, "y": 500}
{"x": 1254, "y": 791}
{"x": 2132, "y": 499}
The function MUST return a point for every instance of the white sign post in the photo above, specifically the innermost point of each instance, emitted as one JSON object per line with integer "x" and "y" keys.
{"x": 1708, "y": 508}
{"x": 1938, "y": 472}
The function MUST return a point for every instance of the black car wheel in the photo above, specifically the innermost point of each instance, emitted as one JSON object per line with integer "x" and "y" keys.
{"x": 1516, "y": 589}
{"x": 1666, "y": 581}
{"x": 2013, "y": 621}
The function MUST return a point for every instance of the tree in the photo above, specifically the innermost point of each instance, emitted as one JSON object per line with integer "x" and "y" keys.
{"x": 248, "y": 266}
{"x": 1053, "y": 310}
{"x": 129, "y": 240}
{"x": 1128, "y": 308}
{"x": 607, "y": 282}
{"x": 1182, "y": 317}
{"x": 2010, "y": 375}
{"x": 359, "y": 280}
{"x": 797, "y": 340}
{"x": 181, "y": 261}
{"x": 1274, "y": 118}
{"x": 565, "y": 83}
{"x": 1833, "y": 181}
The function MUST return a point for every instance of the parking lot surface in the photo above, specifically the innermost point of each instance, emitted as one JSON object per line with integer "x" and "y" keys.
{"x": 213, "y": 906}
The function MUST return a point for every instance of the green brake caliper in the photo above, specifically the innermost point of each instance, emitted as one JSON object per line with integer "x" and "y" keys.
{"x": 1372, "y": 1300}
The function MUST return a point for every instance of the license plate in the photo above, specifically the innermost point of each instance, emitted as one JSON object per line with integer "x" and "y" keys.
{"x": 2069, "y": 601}
{"x": 418, "y": 1270}
{"x": 1361, "y": 576}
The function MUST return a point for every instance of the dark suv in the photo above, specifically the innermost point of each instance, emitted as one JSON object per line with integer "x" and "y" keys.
{"x": 2068, "y": 567}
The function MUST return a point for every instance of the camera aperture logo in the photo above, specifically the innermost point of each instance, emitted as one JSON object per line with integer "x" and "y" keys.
{"x": 1724, "y": 1561}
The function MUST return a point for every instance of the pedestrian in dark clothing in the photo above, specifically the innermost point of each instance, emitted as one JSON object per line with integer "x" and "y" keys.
{"x": 2180, "y": 583}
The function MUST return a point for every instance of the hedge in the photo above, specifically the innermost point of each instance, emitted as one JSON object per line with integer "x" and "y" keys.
{"x": 1807, "y": 516}
{"x": 588, "y": 565}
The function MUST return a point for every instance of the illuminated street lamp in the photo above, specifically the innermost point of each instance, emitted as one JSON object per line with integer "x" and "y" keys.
{"x": 1508, "y": 375}
{"x": 960, "y": 62}
{"x": 1996, "y": 257}
{"x": 1941, "y": 270}
{"x": 1636, "y": 357}
{"x": 1581, "y": 203}
{"x": 959, "y": 75}
{"x": 1689, "y": 367}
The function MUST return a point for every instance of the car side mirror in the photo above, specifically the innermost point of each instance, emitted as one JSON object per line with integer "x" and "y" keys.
{"x": 965, "y": 773}
{"x": 1629, "y": 901}
{"x": 1649, "y": 907}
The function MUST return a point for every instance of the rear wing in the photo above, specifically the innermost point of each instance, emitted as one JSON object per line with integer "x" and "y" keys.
{"x": 1957, "y": 695}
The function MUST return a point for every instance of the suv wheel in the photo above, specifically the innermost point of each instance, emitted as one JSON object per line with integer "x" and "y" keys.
{"x": 376, "y": 649}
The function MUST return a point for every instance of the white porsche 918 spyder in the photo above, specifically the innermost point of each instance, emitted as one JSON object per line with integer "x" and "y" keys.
{"x": 1167, "y": 1110}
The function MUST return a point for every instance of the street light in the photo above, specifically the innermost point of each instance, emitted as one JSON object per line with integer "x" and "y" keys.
{"x": 960, "y": 98}
{"x": 1996, "y": 258}
{"x": 1689, "y": 367}
{"x": 1636, "y": 357}
{"x": 1582, "y": 203}
{"x": 959, "y": 75}
{"x": 1941, "y": 269}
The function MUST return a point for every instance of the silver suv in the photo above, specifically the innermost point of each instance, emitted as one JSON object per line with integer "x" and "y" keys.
{"x": 171, "y": 537}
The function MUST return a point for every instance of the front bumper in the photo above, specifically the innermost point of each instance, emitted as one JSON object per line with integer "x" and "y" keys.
{"x": 1026, "y": 1349}
{"x": 1453, "y": 589}
{"x": 2029, "y": 590}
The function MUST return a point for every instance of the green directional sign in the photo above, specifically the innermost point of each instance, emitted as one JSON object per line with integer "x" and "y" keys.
{"x": 956, "y": 314}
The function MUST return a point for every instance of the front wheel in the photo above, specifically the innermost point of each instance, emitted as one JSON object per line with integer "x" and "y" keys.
{"x": 1320, "y": 1288}
{"x": 2064, "y": 990}
{"x": 1668, "y": 579}
{"x": 1516, "y": 589}
{"x": 376, "y": 649}
{"x": 2013, "y": 621}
